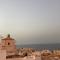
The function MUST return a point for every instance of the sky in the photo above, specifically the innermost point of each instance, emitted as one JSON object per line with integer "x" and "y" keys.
{"x": 31, "y": 21}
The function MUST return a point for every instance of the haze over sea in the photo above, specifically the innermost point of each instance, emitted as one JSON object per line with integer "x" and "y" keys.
{"x": 40, "y": 46}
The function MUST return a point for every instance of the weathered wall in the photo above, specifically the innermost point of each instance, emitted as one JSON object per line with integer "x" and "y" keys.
{"x": 2, "y": 54}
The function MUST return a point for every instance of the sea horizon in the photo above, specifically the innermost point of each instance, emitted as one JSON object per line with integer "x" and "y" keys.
{"x": 52, "y": 46}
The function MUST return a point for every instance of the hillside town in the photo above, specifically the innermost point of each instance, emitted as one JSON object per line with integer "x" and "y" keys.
{"x": 9, "y": 51}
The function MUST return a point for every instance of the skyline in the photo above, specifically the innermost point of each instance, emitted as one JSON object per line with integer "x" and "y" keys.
{"x": 31, "y": 22}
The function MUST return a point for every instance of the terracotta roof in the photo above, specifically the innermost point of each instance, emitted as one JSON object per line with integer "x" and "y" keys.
{"x": 8, "y": 38}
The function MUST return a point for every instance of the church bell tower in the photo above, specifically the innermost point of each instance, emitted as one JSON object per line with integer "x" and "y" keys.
{"x": 8, "y": 43}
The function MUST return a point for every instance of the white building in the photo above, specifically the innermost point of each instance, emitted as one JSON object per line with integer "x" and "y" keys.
{"x": 56, "y": 52}
{"x": 45, "y": 52}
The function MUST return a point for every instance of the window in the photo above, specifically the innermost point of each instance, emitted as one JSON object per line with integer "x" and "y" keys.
{"x": 8, "y": 43}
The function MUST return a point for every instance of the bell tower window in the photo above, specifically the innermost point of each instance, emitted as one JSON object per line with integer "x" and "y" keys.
{"x": 8, "y": 43}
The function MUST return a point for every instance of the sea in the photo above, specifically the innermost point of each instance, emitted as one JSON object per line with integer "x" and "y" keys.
{"x": 40, "y": 46}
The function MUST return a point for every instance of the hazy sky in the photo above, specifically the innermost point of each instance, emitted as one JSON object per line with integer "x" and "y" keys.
{"x": 31, "y": 21}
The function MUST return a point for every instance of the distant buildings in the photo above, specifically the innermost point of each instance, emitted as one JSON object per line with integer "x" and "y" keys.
{"x": 56, "y": 52}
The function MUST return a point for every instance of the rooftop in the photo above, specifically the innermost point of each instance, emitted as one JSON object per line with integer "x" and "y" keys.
{"x": 8, "y": 38}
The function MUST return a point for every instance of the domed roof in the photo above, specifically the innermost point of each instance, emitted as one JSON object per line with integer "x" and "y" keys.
{"x": 8, "y": 38}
